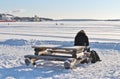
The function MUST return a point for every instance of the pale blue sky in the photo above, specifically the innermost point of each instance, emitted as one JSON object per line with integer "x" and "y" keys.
{"x": 58, "y": 9}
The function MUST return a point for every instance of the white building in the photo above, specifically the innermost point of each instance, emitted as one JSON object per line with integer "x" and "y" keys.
{"x": 6, "y": 17}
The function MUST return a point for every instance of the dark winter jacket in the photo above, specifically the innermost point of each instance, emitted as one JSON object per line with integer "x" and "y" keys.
{"x": 81, "y": 40}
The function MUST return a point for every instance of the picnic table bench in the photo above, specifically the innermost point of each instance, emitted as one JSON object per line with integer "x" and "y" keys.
{"x": 70, "y": 55}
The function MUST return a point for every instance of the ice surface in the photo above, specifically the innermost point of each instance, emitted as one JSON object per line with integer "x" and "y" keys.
{"x": 16, "y": 39}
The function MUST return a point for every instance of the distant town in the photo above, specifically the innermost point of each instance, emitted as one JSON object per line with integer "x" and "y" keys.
{"x": 12, "y": 18}
{"x": 35, "y": 18}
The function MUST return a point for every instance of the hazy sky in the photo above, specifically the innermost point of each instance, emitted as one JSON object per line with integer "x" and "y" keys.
{"x": 57, "y": 9}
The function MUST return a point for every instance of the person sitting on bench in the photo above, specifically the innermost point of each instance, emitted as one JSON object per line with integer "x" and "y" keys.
{"x": 81, "y": 39}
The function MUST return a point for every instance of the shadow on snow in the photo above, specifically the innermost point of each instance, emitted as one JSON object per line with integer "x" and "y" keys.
{"x": 24, "y": 72}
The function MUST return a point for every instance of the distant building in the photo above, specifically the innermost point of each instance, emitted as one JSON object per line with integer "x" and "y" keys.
{"x": 6, "y": 18}
{"x": 36, "y": 18}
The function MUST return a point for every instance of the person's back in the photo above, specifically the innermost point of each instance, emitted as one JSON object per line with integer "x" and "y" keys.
{"x": 81, "y": 39}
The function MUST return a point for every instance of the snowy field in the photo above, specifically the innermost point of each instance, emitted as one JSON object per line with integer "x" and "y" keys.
{"x": 17, "y": 38}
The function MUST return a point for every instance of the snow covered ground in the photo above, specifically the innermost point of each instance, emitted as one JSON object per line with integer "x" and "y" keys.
{"x": 17, "y": 38}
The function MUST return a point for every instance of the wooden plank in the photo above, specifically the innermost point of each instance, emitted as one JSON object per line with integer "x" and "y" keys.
{"x": 42, "y": 52}
{"x": 80, "y": 60}
{"x": 80, "y": 55}
{"x": 60, "y": 51}
{"x": 75, "y": 49}
{"x": 64, "y": 48}
{"x": 44, "y": 47}
{"x": 58, "y": 56}
{"x": 48, "y": 57}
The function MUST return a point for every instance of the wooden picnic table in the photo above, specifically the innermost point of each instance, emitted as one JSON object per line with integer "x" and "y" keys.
{"x": 70, "y": 55}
